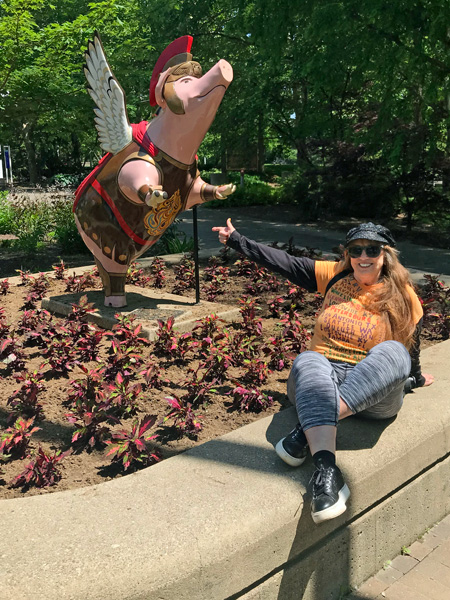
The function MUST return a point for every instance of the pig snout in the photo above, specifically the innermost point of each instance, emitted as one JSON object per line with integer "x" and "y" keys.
{"x": 220, "y": 74}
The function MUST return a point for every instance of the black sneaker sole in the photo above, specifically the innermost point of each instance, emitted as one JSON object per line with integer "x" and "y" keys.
{"x": 286, "y": 457}
{"x": 338, "y": 508}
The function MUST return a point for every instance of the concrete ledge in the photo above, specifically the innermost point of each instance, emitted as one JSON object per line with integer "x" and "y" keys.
{"x": 228, "y": 520}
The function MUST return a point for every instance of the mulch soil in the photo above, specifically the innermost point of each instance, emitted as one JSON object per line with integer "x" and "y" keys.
{"x": 87, "y": 466}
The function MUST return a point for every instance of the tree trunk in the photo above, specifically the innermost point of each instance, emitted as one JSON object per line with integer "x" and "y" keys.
{"x": 261, "y": 147}
{"x": 76, "y": 152}
{"x": 33, "y": 171}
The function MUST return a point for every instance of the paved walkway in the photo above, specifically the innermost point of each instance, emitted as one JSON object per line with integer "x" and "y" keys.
{"x": 421, "y": 573}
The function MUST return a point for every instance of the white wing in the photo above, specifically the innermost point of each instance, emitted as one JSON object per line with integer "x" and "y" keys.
{"x": 114, "y": 130}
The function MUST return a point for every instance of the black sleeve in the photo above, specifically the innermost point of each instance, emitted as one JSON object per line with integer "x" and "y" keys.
{"x": 416, "y": 370}
{"x": 299, "y": 270}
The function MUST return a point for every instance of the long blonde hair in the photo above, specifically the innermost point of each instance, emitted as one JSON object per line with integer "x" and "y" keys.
{"x": 391, "y": 300}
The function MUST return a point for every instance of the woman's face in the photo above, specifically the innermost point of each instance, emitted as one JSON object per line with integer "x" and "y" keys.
{"x": 367, "y": 270}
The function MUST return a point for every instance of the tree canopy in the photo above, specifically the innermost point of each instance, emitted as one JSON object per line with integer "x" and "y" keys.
{"x": 359, "y": 91}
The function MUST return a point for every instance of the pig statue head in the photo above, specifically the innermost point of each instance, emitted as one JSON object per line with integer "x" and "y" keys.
{"x": 149, "y": 173}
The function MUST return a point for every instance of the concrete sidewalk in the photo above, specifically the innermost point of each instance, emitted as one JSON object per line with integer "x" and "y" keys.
{"x": 418, "y": 259}
{"x": 421, "y": 573}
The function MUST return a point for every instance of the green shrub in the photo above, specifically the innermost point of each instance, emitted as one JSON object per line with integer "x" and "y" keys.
{"x": 65, "y": 232}
{"x": 63, "y": 180}
{"x": 172, "y": 241}
{"x": 6, "y": 214}
{"x": 32, "y": 226}
{"x": 254, "y": 192}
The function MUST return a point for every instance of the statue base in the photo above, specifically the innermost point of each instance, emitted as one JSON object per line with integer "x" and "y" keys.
{"x": 147, "y": 305}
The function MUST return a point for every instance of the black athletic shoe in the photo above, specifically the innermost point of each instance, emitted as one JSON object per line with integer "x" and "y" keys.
{"x": 293, "y": 448}
{"x": 329, "y": 494}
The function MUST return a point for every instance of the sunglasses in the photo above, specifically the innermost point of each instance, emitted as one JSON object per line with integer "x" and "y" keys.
{"x": 371, "y": 251}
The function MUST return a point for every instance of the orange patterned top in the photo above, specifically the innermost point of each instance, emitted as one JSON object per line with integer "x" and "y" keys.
{"x": 344, "y": 330}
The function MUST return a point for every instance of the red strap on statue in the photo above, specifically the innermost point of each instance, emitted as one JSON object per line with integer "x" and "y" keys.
{"x": 141, "y": 137}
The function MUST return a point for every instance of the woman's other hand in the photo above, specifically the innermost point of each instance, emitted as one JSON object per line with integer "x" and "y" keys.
{"x": 224, "y": 232}
{"x": 428, "y": 379}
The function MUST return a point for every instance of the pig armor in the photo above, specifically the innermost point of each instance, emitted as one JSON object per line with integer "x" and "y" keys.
{"x": 149, "y": 173}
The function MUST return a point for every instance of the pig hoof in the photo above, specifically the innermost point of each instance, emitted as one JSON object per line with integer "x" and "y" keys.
{"x": 115, "y": 301}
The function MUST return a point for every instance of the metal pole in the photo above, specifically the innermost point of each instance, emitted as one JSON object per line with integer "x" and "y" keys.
{"x": 196, "y": 270}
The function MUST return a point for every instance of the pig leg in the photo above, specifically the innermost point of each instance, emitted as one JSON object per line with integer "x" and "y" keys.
{"x": 203, "y": 192}
{"x": 113, "y": 286}
{"x": 112, "y": 273}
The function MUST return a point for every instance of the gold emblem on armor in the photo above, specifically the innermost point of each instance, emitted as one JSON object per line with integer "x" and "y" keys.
{"x": 156, "y": 221}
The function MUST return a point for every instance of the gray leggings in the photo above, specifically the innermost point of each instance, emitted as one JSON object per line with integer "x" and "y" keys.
{"x": 372, "y": 388}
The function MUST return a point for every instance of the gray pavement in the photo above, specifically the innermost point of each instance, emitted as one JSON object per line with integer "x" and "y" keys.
{"x": 417, "y": 258}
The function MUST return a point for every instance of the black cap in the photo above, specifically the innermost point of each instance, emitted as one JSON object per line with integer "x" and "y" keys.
{"x": 370, "y": 231}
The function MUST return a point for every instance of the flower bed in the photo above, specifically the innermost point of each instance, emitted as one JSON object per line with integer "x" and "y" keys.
{"x": 81, "y": 405}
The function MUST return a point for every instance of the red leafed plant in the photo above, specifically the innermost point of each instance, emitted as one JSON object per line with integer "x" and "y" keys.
{"x": 245, "y": 267}
{"x": 250, "y": 399}
{"x": 60, "y": 352}
{"x": 185, "y": 420}
{"x": 25, "y": 277}
{"x": 25, "y": 399}
{"x": 136, "y": 276}
{"x": 181, "y": 345}
{"x": 88, "y": 345}
{"x": 152, "y": 376}
{"x": 80, "y": 310}
{"x": 4, "y": 327}
{"x": 251, "y": 324}
{"x": 42, "y": 471}
{"x": 37, "y": 288}
{"x": 34, "y": 324}
{"x": 256, "y": 371}
{"x": 436, "y": 306}
{"x": 275, "y": 306}
{"x": 132, "y": 448}
{"x": 79, "y": 283}
{"x": 216, "y": 364}
{"x": 295, "y": 336}
{"x": 212, "y": 290}
{"x": 59, "y": 270}
{"x": 157, "y": 270}
{"x": 12, "y": 354}
{"x": 14, "y": 441}
{"x": 295, "y": 295}
{"x": 278, "y": 355}
{"x": 207, "y": 326}
{"x": 90, "y": 428}
{"x": 164, "y": 337}
{"x": 4, "y": 287}
{"x": 84, "y": 393}
{"x": 184, "y": 276}
{"x": 122, "y": 396}
{"x": 197, "y": 390}
{"x": 124, "y": 361}
{"x": 127, "y": 333}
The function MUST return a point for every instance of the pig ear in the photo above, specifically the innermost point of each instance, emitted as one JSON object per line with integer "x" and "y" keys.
{"x": 111, "y": 121}
{"x": 159, "y": 90}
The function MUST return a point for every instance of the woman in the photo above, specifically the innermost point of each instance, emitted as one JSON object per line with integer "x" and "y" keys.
{"x": 364, "y": 347}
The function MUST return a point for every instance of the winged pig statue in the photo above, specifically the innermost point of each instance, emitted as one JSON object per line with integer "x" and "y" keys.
{"x": 149, "y": 173}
